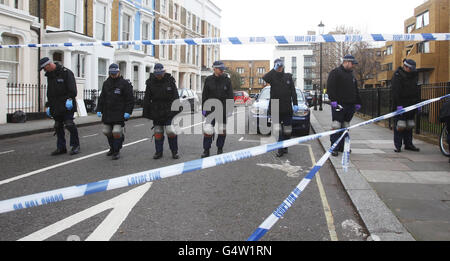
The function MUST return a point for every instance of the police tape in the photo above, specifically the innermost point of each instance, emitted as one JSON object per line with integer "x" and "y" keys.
{"x": 58, "y": 195}
{"x": 289, "y": 201}
{"x": 279, "y": 40}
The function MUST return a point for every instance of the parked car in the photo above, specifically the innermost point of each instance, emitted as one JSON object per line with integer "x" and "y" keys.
{"x": 187, "y": 95}
{"x": 241, "y": 98}
{"x": 300, "y": 120}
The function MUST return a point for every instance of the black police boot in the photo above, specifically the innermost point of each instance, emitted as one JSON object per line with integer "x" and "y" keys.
{"x": 219, "y": 151}
{"x": 398, "y": 150}
{"x": 175, "y": 155}
{"x": 75, "y": 150}
{"x": 59, "y": 152}
{"x": 335, "y": 153}
{"x": 110, "y": 152}
{"x": 285, "y": 150}
{"x": 280, "y": 153}
{"x": 205, "y": 153}
{"x": 412, "y": 148}
{"x": 157, "y": 155}
{"x": 116, "y": 156}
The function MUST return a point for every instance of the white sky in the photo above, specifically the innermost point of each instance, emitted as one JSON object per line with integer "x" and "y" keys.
{"x": 296, "y": 17}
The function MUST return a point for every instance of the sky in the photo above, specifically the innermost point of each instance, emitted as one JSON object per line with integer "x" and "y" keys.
{"x": 296, "y": 17}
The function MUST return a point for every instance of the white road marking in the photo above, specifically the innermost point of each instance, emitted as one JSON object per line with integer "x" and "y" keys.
{"x": 6, "y": 152}
{"x": 241, "y": 139}
{"x": 63, "y": 164}
{"x": 139, "y": 125}
{"x": 121, "y": 207}
{"x": 88, "y": 136}
{"x": 292, "y": 171}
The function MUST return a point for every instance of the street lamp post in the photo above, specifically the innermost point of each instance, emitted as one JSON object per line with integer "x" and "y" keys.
{"x": 321, "y": 30}
{"x": 250, "y": 80}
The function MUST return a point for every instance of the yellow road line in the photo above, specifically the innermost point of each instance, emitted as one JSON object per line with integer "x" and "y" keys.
{"x": 323, "y": 197}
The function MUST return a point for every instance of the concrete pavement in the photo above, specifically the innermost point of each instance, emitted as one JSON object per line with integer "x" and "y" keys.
{"x": 399, "y": 196}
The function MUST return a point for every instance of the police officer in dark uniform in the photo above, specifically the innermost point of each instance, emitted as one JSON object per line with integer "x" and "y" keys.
{"x": 405, "y": 92}
{"x": 115, "y": 106}
{"x": 217, "y": 86}
{"x": 282, "y": 89}
{"x": 61, "y": 104}
{"x": 342, "y": 89}
{"x": 160, "y": 93}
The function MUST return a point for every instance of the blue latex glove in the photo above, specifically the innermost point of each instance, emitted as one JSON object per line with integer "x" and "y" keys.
{"x": 333, "y": 104}
{"x": 126, "y": 115}
{"x": 358, "y": 107}
{"x": 69, "y": 104}
{"x": 399, "y": 108}
{"x": 295, "y": 108}
{"x": 48, "y": 112}
{"x": 204, "y": 113}
{"x": 99, "y": 114}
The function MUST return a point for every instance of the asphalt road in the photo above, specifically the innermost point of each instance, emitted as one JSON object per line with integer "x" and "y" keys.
{"x": 225, "y": 203}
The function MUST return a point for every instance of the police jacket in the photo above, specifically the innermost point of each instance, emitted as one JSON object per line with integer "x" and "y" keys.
{"x": 220, "y": 88}
{"x": 159, "y": 96}
{"x": 282, "y": 87}
{"x": 342, "y": 86}
{"x": 115, "y": 100}
{"x": 61, "y": 86}
{"x": 405, "y": 91}
{"x": 444, "y": 113}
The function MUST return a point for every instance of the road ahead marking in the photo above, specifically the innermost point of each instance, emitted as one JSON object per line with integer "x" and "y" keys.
{"x": 121, "y": 207}
{"x": 6, "y": 152}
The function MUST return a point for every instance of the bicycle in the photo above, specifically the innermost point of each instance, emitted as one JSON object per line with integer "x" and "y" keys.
{"x": 443, "y": 145}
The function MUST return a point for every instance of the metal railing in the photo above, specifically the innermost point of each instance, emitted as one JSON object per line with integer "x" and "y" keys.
{"x": 29, "y": 98}
{"x": 377, "y": 102}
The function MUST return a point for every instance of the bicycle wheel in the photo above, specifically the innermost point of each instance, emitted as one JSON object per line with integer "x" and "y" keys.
{"x": 443, "y": 145}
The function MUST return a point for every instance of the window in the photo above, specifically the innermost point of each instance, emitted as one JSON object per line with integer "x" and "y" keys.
{"x": 242, "y": 80}
{"x": 164, "y": 7}
{"x": 197, "y": 25}
{"x": 189, "y": 20}
{"x": 145, "y": 36}
{"x": 126, "y": 28}
{"x": 389, "y": 50}
{"x": 70, "y": 15}
{"x": 410, "y": 28}
{"x": 240, "y": 70}
{"x": 387, "y": 67}
{"x": 135, "y": 77}
{"x": 102, "y": 72}
{"x": 4, "y": 2}
{"x": 261, "y": 70}
{"x": 162, "y": 48}
{"x": 261, "y": 81}
{"x": 100, "y": 22}
{"x": 147, "y": 72}
{"x": 78, "y": 61}
{"x": 423, "y": 47}
{"x": 422, "y": 20}
{"x": 9, "y": 57}
{"x": 176, "y": 12}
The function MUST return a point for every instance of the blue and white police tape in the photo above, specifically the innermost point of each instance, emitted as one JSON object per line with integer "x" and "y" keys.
{"x": 289, "y": 201}
{"x": 279, "y": 40}
{"x": 48, "y": 197}
{"x": 57, "y": 195}
{"x": 346, "y": 154}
